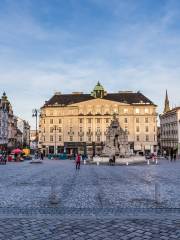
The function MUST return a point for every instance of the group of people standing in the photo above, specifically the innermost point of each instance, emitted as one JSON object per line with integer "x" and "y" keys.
{"x": 38, "y": 155}
{"x": 173, "y": 156}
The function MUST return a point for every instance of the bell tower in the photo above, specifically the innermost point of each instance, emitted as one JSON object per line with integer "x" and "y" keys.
{"x": 166, "y": 103}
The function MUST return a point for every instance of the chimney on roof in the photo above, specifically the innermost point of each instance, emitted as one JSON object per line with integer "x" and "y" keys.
{"x": 57, "y": 93}
{"x": 78, "y": 93}
{"x": 125, "y": 91}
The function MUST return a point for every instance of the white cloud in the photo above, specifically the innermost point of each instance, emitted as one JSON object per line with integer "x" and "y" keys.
{"x": 36, "y": 61}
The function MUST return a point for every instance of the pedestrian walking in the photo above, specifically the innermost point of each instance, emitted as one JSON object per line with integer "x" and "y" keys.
{"x": 171, "y": 154}
{"x": 4, "y": 158}
{"x": 78, "y": 161}
{"x": 42, "y": 156}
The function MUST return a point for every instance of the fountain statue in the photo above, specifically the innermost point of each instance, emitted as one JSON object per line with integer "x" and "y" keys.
{"x": 117, "y": 147}
{"x": 116, "y": 140}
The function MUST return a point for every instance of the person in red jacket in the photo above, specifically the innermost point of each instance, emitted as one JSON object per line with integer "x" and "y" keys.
{"x": 78, "y": 161}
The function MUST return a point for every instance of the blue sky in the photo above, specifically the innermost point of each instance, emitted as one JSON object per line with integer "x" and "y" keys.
{"x": 68, "y": 45}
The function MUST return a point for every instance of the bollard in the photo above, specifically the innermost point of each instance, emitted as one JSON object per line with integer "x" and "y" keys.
{"x": 148, "y": 162}
{"x": 156, "y": 161}
{"x": 157, "y": 193}
{"x": 84, "y": 162}
{"x": 97, "y": 163}
{"x": 127, "y": 163}
{"x": 53, "y": 195}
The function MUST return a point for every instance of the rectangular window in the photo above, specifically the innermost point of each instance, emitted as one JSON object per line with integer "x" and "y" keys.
{"x": 60, "y": 129}
{"x": 89, "y": 139}
{"x": 60, "y": 121}
{"x": 147, "y": 129}
{"x": 137, "y": 120}
{"x": 80, "y": 129}
{"x": 98, "y": 130}
{"x": 51, "y": 138}
{"x": 147, "y": 138}
{"x": 137, "y": 111}
{"x": 137, "y": 138}
{"x": 51, "y": 129}
{"x": 126, "y": 129}
{"x": 107, "y": 120}
{"x": 146, "y": 120}
{"x": 98, "y": 120}
{"x": 71, "y": 138}
{"x": 51, "y": 113}
{"x": 98, "y": 139}
{"x": 89, "y": 120}
{"x": 126, "y": 120}
{"x": 60, "y": 138}
{"x": 81, "y": 120}
{"x": 137, "y": 129}
{"x": 146, "y": 110}
{"x": 51, "y": 121}
{"x": 44, "y": 121}
{"x": 81, "y": 139}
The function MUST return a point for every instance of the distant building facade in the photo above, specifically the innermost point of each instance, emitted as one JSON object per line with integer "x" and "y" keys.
{"x": 24, "y": 127}
{"x": 8, "y": 124}
{"x": 12, "y": 134}
{"x": 4, "y": 118}
{"x": 78, "y": 122}
{"x": 170, "y": 129}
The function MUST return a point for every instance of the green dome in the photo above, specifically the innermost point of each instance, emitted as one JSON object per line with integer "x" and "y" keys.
{"x": 98, "y": 87}
{"x": 98, "y": 91}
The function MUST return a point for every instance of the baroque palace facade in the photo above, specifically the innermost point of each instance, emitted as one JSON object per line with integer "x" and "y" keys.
{"x": 78, "y": 122}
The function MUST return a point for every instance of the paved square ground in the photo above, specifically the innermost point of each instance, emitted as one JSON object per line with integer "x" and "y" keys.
{"x": 29, "y": 185}
{"x": 96, "y": 202}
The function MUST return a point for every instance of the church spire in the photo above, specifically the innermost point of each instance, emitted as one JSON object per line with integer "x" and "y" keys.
{"x": 166, "y": 104}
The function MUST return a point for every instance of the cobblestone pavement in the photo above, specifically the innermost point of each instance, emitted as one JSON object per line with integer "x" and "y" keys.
{"x": 83, "y": 229}
{"x": 97, "y": 202}
{"x": 24, "y": 185}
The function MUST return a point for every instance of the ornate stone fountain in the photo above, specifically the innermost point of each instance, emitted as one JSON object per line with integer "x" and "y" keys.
{"x": 116, "y": 141}
{"x": 117, "y": 145}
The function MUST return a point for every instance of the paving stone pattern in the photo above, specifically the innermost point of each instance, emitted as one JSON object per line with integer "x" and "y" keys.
{"x": 97, "y": 202}
{"x": 26, "y": 185}
{"x": 37, "y": 229}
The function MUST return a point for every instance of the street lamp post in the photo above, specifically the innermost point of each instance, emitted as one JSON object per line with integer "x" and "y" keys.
{"x": 55, "y": 128}
{"x": 35, "y": 114}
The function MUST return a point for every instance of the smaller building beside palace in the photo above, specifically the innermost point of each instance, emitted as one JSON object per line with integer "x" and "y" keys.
{"x": 14, "y": 132}
{"x": 78, "y": 122}
{"x": 170, "y": 129}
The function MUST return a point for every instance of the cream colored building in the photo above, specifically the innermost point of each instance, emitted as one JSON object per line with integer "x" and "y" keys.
{"x": 78, "y": 122}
